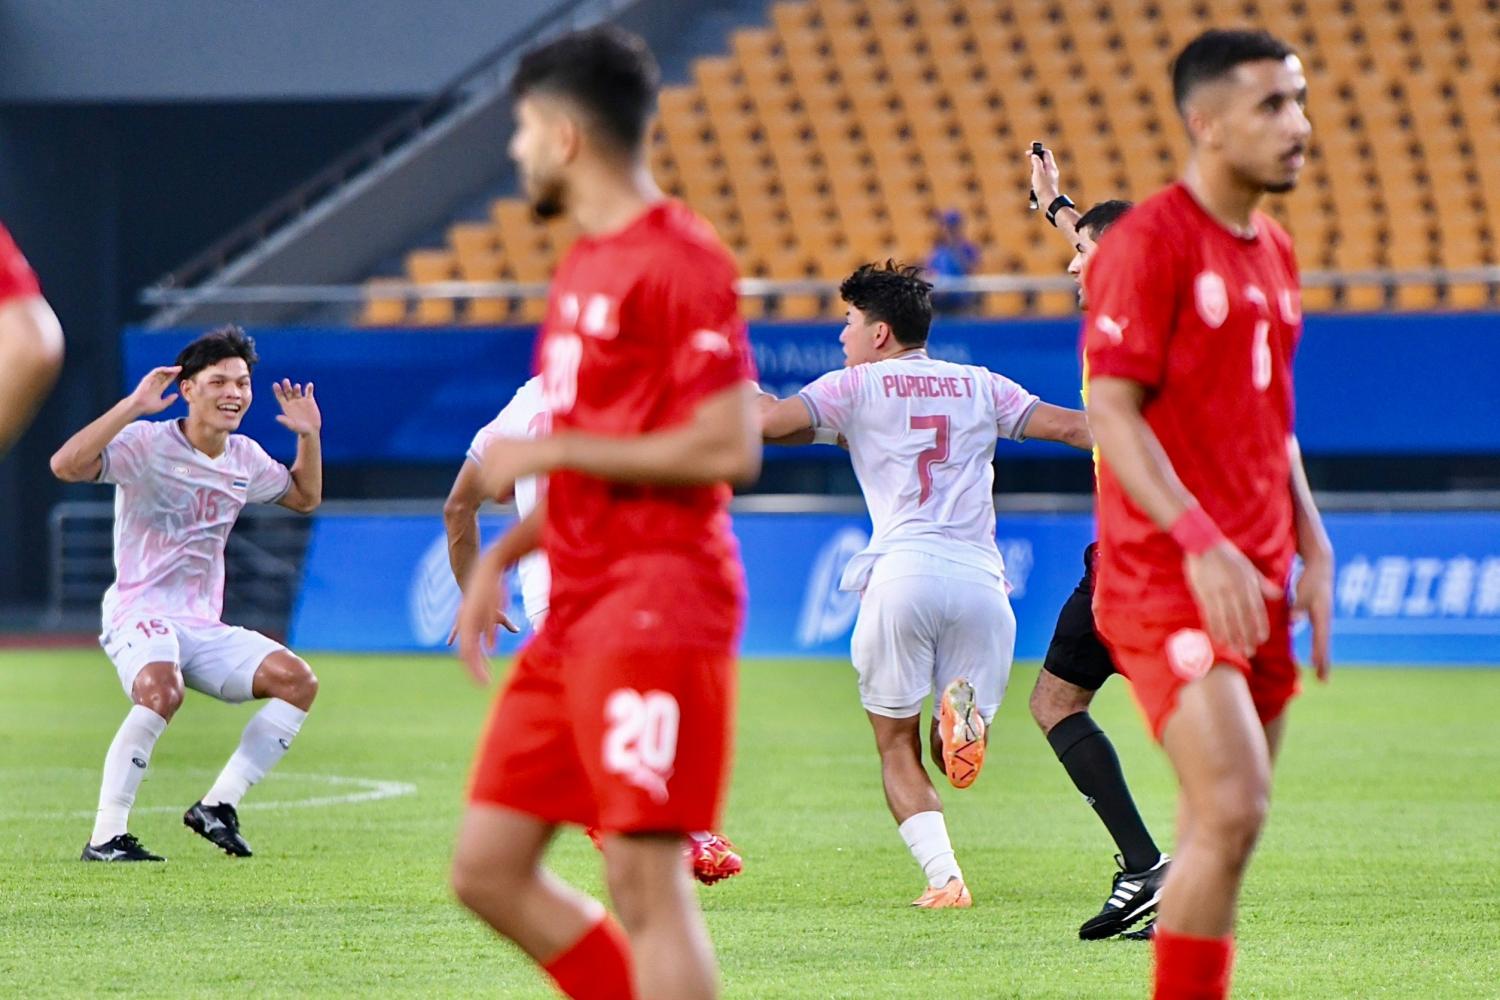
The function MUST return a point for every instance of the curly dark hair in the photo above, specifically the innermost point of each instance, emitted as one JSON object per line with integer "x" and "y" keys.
{"x": 895, "y": 294}
{"x": 227, "y": 341}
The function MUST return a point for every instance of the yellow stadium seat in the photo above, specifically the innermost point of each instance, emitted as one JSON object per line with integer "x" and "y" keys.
{"x": 1417, "y": 297}
{"x": 799, "y": 307}
{"x": 383, "y": 308}
{"x": 481, "y": 266}
{"x": 429, "y": 267}
{"x": 1003, "y": 304}
{"x": 1315, "y": 300}
{"x": 1062, "y": 303}
{"x": 1468, "y": 296}
{"x": 472, "y": 238}
{"x": 1364, "y": 298}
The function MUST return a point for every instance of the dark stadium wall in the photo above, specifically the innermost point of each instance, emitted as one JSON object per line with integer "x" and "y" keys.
{"x": 86, "y": 51}
{"x": 103, "y": 200}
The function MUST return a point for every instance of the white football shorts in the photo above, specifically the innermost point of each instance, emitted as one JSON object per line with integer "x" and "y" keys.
{"x": 217, "y": 659}
{"x": 925, "y": 621}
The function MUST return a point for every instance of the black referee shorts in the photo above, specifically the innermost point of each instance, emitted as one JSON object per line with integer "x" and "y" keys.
{"x": 1076, "y": 654}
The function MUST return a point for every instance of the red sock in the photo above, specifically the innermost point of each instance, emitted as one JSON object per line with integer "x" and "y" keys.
{"x": 597, "y": 967}
{"x": 1192, "y": 968}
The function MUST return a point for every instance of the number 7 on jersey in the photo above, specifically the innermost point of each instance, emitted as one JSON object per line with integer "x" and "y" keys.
{"x": 940, "y": 424}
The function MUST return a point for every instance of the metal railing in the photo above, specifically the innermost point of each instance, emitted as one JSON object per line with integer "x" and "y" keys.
{"x": 484, "y": 72}
{"x": 759, "y": 288}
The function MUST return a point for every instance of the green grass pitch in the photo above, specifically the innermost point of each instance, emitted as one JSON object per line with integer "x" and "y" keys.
{"x": 1379, "y": 875}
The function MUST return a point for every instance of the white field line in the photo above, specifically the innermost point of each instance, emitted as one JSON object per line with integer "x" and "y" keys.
{"x": 361, "y": 790}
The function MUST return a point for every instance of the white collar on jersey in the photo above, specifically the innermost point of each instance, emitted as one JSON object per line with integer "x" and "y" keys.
{"x": 913, "y": 352}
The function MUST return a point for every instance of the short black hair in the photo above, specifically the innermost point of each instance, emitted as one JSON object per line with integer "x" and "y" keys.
{"x": 1214, "y": 54}
{"x": 1103, "y": 215}
{"x": 607, "y": 71}
{"x": 895, "y": 294}
{"x": 222, "y": 342}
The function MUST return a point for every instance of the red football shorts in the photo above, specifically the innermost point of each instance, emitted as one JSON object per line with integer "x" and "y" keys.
{"x": 624, "y": 740}
{"x": 1162, "y": 654}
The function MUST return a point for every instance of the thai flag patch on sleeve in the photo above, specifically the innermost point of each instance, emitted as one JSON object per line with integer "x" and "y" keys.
{"x": 240, "y": 484}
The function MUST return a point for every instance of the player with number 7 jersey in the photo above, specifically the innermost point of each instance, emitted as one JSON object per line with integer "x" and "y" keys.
{"x": 934, "y": 615}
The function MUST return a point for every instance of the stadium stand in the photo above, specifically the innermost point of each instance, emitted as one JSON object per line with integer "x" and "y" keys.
{"x": 836, "y": 132}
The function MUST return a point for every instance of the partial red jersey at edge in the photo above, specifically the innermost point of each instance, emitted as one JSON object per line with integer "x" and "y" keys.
{"x": 1208, "y": 322}
{"x": 17, "y": 280}
{"x": 642, "y": 325}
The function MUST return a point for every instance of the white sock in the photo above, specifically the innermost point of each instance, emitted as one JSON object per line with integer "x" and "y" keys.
{"x": 267, "y": 737}
{"x": 926, "y": 836}
{"x": 124, "y": 767}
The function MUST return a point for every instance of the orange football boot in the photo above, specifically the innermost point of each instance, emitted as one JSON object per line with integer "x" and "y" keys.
{"x": 953, "y": 896}
{"x": 961, "y": 728}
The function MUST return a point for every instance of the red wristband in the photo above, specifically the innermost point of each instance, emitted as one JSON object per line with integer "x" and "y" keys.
{"x": 1195, "y": 531}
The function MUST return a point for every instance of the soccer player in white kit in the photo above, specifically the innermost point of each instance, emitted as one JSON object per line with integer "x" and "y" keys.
{"x": 527, "y": 416}
{"x": 179, "y": 488}
{"x": 934, "y": 614}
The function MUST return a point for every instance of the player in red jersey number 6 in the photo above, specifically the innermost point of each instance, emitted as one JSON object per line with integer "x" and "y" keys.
{"x": 1194, "y": 316}
{"x": 618, "y": 714}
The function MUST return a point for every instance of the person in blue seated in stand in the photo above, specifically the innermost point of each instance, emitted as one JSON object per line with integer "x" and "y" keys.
{"x": 954, "y": 256}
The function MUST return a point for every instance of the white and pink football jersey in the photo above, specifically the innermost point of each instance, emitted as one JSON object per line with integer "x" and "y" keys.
{"x": 174, "y": 508}
{"x": 922, "y": 436}
{"x": 525, "y": 416}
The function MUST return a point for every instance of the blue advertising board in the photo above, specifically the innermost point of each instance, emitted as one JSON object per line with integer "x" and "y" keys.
{"x": 1366, "y": 384}
{"x": 1410, "y": 589}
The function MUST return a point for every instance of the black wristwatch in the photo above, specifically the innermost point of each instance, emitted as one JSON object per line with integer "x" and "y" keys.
{"x": 1061, "y": 201}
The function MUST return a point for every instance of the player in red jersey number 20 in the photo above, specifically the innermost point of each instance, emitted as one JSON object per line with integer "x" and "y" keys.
{"x": 618, "y": 714}
{"x": 1194, "y": 315}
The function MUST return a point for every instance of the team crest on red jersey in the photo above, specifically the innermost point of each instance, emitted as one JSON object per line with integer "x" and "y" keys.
{"x": 1211, "y": 298}
{"x": 1190, "y": 653}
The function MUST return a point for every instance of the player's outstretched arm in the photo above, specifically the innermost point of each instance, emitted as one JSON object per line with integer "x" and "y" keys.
{"x": 80, "y": 460}
{"x": 300, "y": 415}
{"x": 1058, "y": 423}
{"x": 1229, "y": 590}
{"x": 1314, "y": 595}
{"x": 31, "y": 354}
{"x": 784, "y": 421}
{"x": 719, "y": 443}
{"x": 480, "y": 613}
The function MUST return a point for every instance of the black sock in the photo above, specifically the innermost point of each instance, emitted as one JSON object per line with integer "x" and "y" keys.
{"x": 1090, "y": 760}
